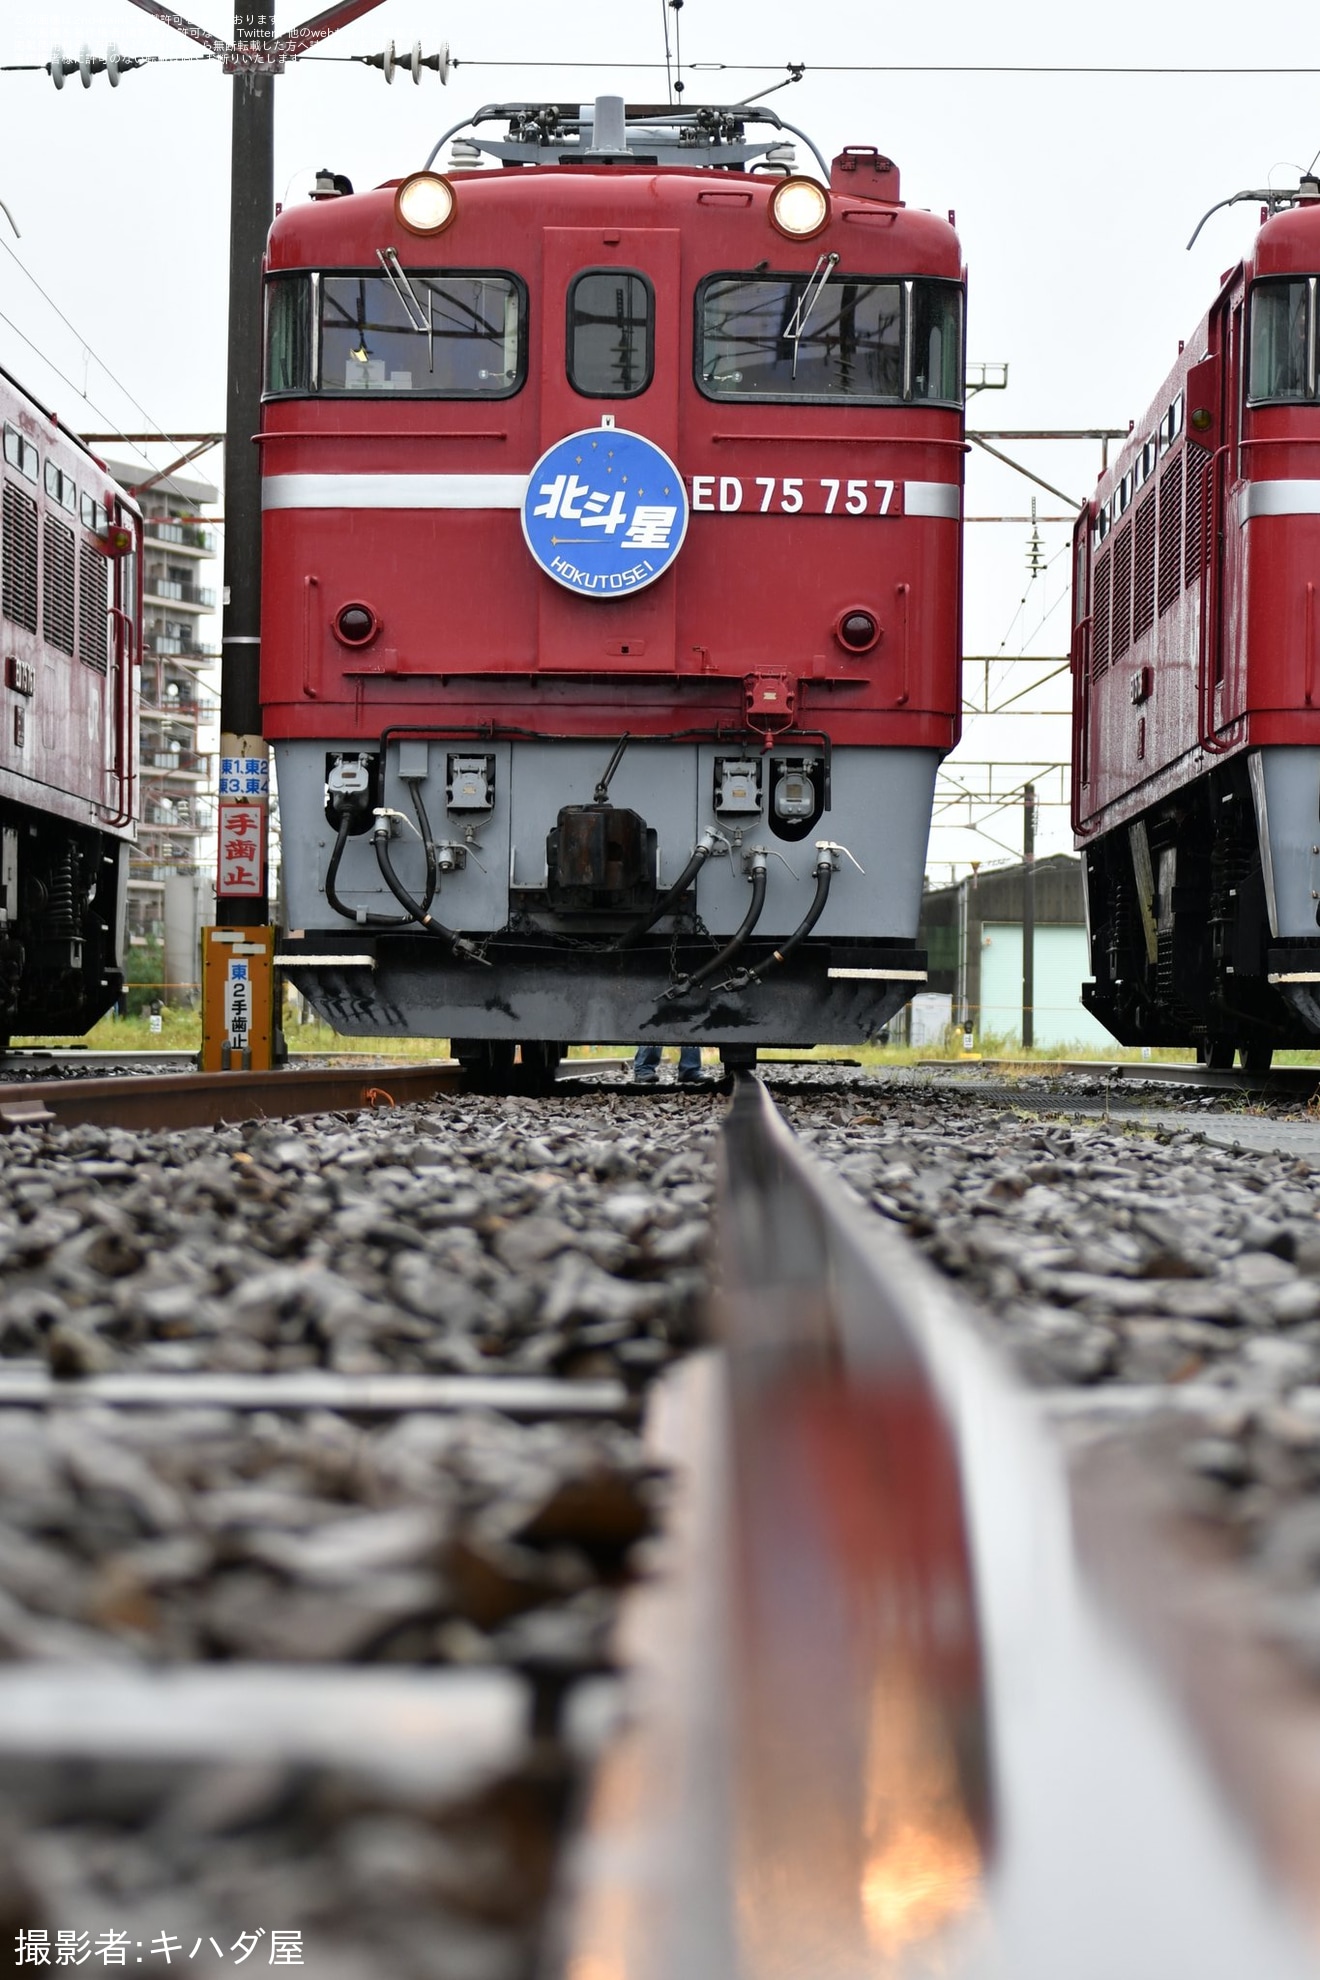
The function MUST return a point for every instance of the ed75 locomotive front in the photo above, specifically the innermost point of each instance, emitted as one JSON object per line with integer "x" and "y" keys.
{"x": 612, "y": 585}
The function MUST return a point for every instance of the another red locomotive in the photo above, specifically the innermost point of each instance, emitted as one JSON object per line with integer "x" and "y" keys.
{"x": 612, "y": 579}
{"x": 70, "y": 577}
{"x": 1196, "y": 752}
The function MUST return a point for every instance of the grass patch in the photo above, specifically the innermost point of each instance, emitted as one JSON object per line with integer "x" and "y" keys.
{"x": 181, "y": 1031}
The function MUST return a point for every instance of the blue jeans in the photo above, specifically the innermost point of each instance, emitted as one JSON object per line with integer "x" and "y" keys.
{"x": 647, "y": 1058}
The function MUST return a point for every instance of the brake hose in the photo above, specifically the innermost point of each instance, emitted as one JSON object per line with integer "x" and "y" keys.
{"x": 416, "y": 910}
{"x": 709, "y": 843}
{"x": 424, "y": 828}
{"x": 758, "y": 859}
{"x": 825, "y": 871}
{"x": 361, "y": 916}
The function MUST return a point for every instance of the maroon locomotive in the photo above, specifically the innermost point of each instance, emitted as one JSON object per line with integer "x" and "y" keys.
{"x": 612, "y": 489}
{"x": 1196, "y": 743}
{"x": 70, "y": 632}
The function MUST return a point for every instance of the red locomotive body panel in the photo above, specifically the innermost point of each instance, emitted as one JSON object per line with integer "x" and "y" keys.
{"x": 774, "y": 553}
{"x": 1196, "y": 682}
{"x": 70, "y": 619}
{"x": 69, "y": 630}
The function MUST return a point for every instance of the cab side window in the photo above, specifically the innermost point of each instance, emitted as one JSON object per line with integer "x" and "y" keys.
{"x": 1283, "y": 341}
{"x": 611, "y": 333}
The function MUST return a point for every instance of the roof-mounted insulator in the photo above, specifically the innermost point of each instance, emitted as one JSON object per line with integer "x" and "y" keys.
{"x": 609, "y": 128}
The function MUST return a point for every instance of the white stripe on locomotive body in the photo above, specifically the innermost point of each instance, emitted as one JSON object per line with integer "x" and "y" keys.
{"x": 496, "y": 491}
{"x": 1279, "y": 498}
{"x": 933, "y": 498}
{"x": 393, "y": 491}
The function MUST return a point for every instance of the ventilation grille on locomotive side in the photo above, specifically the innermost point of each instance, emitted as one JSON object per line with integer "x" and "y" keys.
{"x": 1100, "y": 617}
{"x": 1171, "y": 516}
{"x": 20, "y": 558}
{"x": 57, "y": 585}
{"x": 1198, "y": 475}
{"x": 93, "y": 608}
{"x": 1122, "y": 606}
{"x": 1143, "y": 575}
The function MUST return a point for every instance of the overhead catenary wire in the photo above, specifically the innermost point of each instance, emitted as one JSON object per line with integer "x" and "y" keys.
{"x": 64, "y": 377}
{"x": 669, "y": 77}
{"x": 1022, "y": 603}
{"x": 897, "y": 68}
{"x": 143, "y": 61}
{"x": 672, "y": 65}
{"x": 166, "y": 438}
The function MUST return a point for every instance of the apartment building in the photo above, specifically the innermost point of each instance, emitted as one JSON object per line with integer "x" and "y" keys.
{"x": 171, "y": 883}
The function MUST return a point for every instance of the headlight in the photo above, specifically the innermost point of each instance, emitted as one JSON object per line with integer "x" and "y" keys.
{"x": 799, "y": 208}
{"x": 425, "y": 203}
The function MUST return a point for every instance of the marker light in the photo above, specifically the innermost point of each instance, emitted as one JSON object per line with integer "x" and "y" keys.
{"x": 115, "y": 540}
{"x": 356, "y": 624}
{"x": 799, "y": 208}
{"x": 857, "y": 630}
{"x": 424, "y": 204}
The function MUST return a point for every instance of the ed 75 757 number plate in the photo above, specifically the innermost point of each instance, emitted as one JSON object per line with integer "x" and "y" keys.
{"x": 794, "y": 495}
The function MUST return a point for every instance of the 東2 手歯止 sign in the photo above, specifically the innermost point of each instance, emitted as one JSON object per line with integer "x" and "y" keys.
{"x": 605, "y": 512}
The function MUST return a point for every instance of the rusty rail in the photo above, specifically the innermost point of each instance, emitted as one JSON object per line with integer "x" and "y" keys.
{"x": 184, "y": 1100}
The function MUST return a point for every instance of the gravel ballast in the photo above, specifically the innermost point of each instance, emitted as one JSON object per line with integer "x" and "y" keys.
{"x": 558, "y": 1239}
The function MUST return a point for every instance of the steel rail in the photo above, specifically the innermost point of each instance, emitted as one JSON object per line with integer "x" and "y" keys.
{"x": 188, "y": 1100}
{"x": 881, "y": 1721}
{"x": 527, "y": 1398}
{"x": 1302, "y": 1080}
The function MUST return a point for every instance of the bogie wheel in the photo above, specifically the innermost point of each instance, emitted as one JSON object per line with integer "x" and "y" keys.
{"x": 540, "y": 1063}
{"x": 735, "y": 1059}
{"x": 487, "y": 1063}
{"x": 1256, "y": 1058}
{"x": 1217, "y": 1053}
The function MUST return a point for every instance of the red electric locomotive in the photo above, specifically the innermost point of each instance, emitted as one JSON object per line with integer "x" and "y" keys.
{"x": 71, "y": 605}
{"x": 1196, "y": 742}
{"x": 611, "y": 618}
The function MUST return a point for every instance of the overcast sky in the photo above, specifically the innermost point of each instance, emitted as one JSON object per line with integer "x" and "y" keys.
{"x": 1074, "y": 198}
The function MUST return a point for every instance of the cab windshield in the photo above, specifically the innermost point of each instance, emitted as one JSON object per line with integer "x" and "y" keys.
{"x": 402, "y": 332}
{"x": 830, "y": 337}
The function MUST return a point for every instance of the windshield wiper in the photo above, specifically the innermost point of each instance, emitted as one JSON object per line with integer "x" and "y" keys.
{"x": 807, "y": 301}
{"x": 419, "y": 318}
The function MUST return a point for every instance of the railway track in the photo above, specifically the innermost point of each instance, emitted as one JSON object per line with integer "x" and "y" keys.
{"x": 879, "y": 1656}
{"x": 333, "y": 1649}
{"x": 176, "y": 1099}
{"x": 1280, "y": 1082}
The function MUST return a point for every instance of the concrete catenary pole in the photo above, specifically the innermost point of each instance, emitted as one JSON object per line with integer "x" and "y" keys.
{"x": 252, "y": 182}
